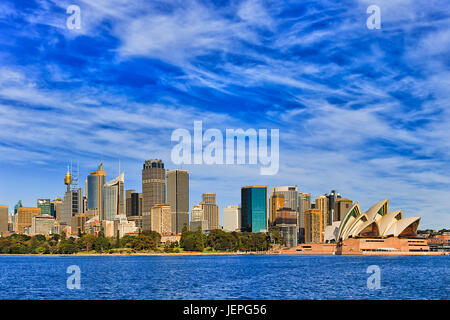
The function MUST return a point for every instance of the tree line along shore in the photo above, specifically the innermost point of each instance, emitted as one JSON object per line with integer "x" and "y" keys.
{"x": 144, "y": 242}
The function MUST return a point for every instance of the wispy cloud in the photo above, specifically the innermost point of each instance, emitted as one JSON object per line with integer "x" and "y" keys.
{"x": 364, "y": 111}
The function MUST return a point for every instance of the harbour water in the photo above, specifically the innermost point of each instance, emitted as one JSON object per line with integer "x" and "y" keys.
{"x": 225, "y": 277}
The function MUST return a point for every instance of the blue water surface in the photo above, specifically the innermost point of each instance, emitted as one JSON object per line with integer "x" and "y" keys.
{"x": 224, "y": 277}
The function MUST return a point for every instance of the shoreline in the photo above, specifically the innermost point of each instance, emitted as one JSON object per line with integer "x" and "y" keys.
{"x": 272, "y": 253}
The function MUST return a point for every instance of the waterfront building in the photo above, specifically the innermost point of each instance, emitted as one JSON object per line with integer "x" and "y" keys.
{"x": 210, "y": 210}
{"x": 198, "y": 219}
{"x": 47, "y": 207}
{"x": 95, "y": 182}
{"x": 232, "y": 218}
{"x": 3, "y": 220}
{"x": 254, "y": 217}
{"x": 313, "y": 226}
{"x": 332, "y": 196}
{"x": 23, "y": 219}
{"x": 153, "y": 185}
{"x": 341, "y": 207}
{"x": 286, "y": 221}
{"x": 322, "y": 205}
{"x": 114, "y": 200}
{"x": 178, "y": 198}
{"x": 42, "y": 224}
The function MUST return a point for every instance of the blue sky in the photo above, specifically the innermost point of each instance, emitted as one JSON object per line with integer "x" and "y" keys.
{"x": 362, "y": 111}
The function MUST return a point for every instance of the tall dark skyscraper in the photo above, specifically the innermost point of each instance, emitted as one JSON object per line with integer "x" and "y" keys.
{"x": 332, "y": 196}
{"x": 254, "y": 208}
{"x": 153, "y": 185}
{"x": 178, "y": 198}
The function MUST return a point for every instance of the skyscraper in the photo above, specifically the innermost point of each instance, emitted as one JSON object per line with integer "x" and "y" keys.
{"x": 198, "y": 219}
{"x": 47, "y": 207}
{"x": 57, "y": 205}
{"x": 313, "y": 226}
{"x": 153, "y": 185}
{"x": 290, "y": 200}
{"x": 178, "y": 198}
{"x": 332, "y": 196}
{"x": 72, "y": 203}
{"x": 114, "y": 200}
{"x": 211, "y": 210}
{"x": 322, "y": 205}
{"x": 3, "y": 219}
{"x": 95, "y": 182}
{"x": 128, "y": 202}
{"x": 341, "y": 206}
{"x": 23, "y": 219}
{"x": 254, "y": 208}
{"x": 232, "y": 218}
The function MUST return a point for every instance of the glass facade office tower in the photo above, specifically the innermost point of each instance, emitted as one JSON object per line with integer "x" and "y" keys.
{"x": 95, "y": 182}
{"x": 153, "y": 185}
{"x": 114, "y": 200}
{"x": 254, "y": 208}
{"x": 47, "y": 207}
{"x": 178, "y": 198}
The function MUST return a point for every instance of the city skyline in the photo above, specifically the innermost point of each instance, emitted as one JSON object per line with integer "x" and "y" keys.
{"x": 272, "y": 190}
{"x": 359, "y": 110}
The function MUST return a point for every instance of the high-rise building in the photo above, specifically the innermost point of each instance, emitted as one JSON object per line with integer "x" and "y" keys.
{"x": 160, "y": 220}
{"x": 276, "y": 202}
{"x": 3, "y": 220}
{"x": 95, "y": 198}
{"x": 72, "y": 203}
{"x": 304, "y": 200}
{"x": 290, "y": 200}
{"x": 332, "y": 196}
{"x": 153, "y": 185}
{"x": 23, "y": 218}
{"x": 254, "y": 208}
{"x": 232, "y": 218}
{"x": 286, "y": 220}
{"x": 322, "y": 205}
{"x": 304, "y": 203}
{"x": 178, "y": 198}
{"x": 313, "y": 226}
{"x": 210, "y": 210}
{"x": 57, "y": 205}
{"x": 114, "y": 200}
{"x": 341, "y": 207}
{"x": 47, "y": 207}
{"x": 128, "y": 202}
{"x": 198, "y": 219}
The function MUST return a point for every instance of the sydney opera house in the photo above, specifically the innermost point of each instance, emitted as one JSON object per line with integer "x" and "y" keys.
{"x": 376, "y": 231}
